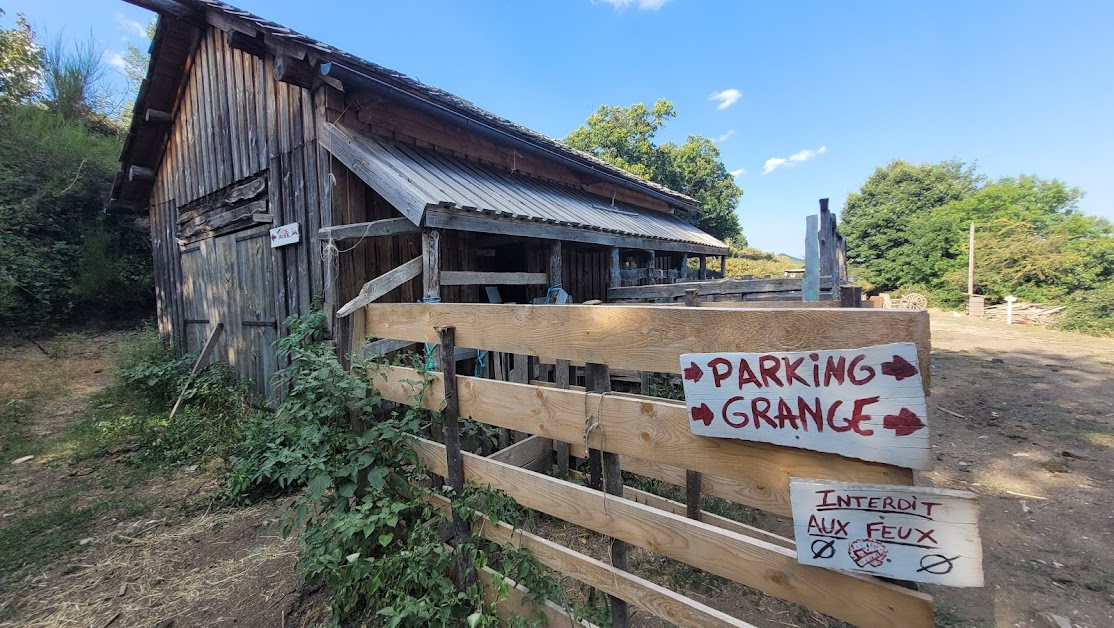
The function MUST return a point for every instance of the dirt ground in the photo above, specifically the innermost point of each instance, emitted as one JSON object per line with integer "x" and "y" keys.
{"x": 1020, "y": 416}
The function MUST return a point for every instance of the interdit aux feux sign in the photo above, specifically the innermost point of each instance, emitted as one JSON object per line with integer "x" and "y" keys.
{"x": 862, "y": 403}
{"x": 904, "y": 532}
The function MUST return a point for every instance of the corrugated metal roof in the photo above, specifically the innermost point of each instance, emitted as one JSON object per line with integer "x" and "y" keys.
{"x": 454, "y": 183}
{"x": 325, "y": 52}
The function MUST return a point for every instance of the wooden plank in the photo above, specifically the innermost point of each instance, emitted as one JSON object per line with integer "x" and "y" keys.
{"x": 678, "y": 508}
{"x": 356, "y": 153}
{"x": 654, "y": 430}
{"x": 715, "y": 287}
{"x": 381, "y": 285}
{"x": 375, "y": 229}
{"x": 202, "y": 358}
{"x": 915, "y": 533}
{"x": 789, "y": 303}
{"x": 641, "y": 593}
{"x": 751, "y": 562}
{"x": 864, "y": 403}
{"x": 382, "y": 347}
{"x": 519, "y": 602}
{"x": 649, "y": 338}
{"x": 810, "y": 287}
{"x": 531, "y": 453}
{"x": 477, "y": 278}
{"x": 450, "y": 420}
{"x": 431, "y": 263}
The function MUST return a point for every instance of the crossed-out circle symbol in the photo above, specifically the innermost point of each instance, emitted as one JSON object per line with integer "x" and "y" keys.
{"x": 937, "y": 564}
{"x": 823, "y": 549}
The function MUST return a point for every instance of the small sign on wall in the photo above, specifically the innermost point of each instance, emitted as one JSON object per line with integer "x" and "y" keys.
{"x": 286, "y": 234}
{"x": 903, "y": 532}
{"x": 862, "y": 403}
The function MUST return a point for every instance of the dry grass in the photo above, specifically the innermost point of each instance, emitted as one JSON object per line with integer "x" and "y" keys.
{"x": 169, "y": 573}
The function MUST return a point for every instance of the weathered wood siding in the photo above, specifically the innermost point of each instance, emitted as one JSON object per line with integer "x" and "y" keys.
{"x": 233, "y": 122}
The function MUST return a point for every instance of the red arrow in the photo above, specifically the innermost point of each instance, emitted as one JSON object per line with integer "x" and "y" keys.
{"x": 703, "y": 413}
{"x": 693, "y": 373}
{"x": 899, "y": 368}
{"x": 903, "y": 423}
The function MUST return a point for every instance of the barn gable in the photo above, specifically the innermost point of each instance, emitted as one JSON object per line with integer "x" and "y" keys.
{"x": 243, "y": 126}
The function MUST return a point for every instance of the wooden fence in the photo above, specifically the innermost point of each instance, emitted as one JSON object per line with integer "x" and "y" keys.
{"x": 649, "y": 437}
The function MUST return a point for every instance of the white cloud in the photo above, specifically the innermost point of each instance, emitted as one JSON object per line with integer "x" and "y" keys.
{"x": 736, "y": 173}
{"x": 133, "y": 27}
{"x": 774, "y": 163}
{"x": 645, "y": 5}
{"x": 726, "y": 98}
{"x": 726, "y": 136}
{"x": 115, "y": 60}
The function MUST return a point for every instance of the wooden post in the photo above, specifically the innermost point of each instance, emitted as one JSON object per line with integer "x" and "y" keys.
{"x": 614, "y": 279}
{"x": 851, "y": 296}
{"x": 651, "y": 265}
{"x": 970, "y": 268}
{"x": 723, "y": 267}
{"x": 692, "y": 478}
{"x": 683, "y": 273}
{"x": 810, "y": 288}
{"x": 555, "y": 262}
{"x": 431, "y": 263}
{"x": 702, "y": 274}
{"x": 825, "y": 239}
{"x": 450, "y": 417}
{"x": 597, "y": 378}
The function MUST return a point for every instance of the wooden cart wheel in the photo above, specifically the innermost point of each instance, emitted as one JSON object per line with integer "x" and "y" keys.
{"x": 913, "y": 301}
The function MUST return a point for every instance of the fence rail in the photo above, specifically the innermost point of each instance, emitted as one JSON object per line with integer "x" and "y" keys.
{"x": 650, "y": 436}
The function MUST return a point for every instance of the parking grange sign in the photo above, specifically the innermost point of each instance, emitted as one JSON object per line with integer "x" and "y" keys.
{"x": 862, "y": 403}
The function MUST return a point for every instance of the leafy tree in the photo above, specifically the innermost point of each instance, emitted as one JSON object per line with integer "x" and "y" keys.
{"x": 21, "y": 62}
{"x": 876, "y": 220}
{"x": 624, "y": 137}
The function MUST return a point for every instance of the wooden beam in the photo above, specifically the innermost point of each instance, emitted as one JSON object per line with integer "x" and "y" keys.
{"x": 716, "y": 287}
{"x": 290, "y": 70}
{"x": 653, "y": 430}
{"x": 140, "y": 173}
{"x": 202, "y": 358}
{"x": 364, "y": 158}
{"x": 382, "y": 347}
{"x": 359, "y": 230}
{"x": 520, "y": 603}
{"x": 465, "y": 221}
{"x": 450, "y": 420}
{"x": 764, "y": 566}
{"x": 156, "y": 117}
{"x": 531, "y": 453}
{"x": 702, "y": 274}
{"x": 554, "y": 268}
{"x": 377, "y": 288}
{"x": 253, "y": 45}
{"x": 614, "y": 275}
{"x": 810, "y": 286}
{"x": 646, "y": 337}
{"x": 431, "y": 264}
{"x": 641, "y": 593}
{"x": 476, "y": 278}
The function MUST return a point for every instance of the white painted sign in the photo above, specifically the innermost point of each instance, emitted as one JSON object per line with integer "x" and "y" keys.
{"x": 903, "y": 532}
{"x": 286, "y": 234}
{"x": 862, "y": 403}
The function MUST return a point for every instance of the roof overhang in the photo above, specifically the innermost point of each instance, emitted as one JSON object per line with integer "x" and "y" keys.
{"x": 439, "y": 190}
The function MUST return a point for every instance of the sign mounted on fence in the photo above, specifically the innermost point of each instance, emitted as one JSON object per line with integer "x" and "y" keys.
{"x": 861, "y": 403}
{"x": 908, "y": 533}
{"x": 286, "y": 234}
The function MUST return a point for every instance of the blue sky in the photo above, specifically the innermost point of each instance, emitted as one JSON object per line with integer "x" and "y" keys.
{"x": 833, "y": 89}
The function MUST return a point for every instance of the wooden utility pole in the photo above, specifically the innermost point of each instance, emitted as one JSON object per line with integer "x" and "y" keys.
{"x": 971, "y": 266}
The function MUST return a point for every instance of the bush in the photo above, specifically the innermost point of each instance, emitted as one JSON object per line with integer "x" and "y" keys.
{"x": 1089, "y": 312}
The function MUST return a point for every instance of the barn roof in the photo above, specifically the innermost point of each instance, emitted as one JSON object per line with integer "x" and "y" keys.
{"x": 179, "y": 21}
{"x": 452, "y": 192}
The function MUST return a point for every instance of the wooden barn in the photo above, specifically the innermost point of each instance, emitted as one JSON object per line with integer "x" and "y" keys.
{"x": 386, "y": 189}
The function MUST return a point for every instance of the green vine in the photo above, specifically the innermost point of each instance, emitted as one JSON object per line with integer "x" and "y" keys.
{"x": 363, "y": 511}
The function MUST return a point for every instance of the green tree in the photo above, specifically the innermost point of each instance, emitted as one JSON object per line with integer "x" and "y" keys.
{"x": 21, "y": 62}
{"x": 876, "y": 220}
{"x": 624, "y": 137}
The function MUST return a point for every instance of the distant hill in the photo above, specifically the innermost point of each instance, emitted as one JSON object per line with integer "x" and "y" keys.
{"x": 757, "y": 263}
{"x": 795, "y": 260}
